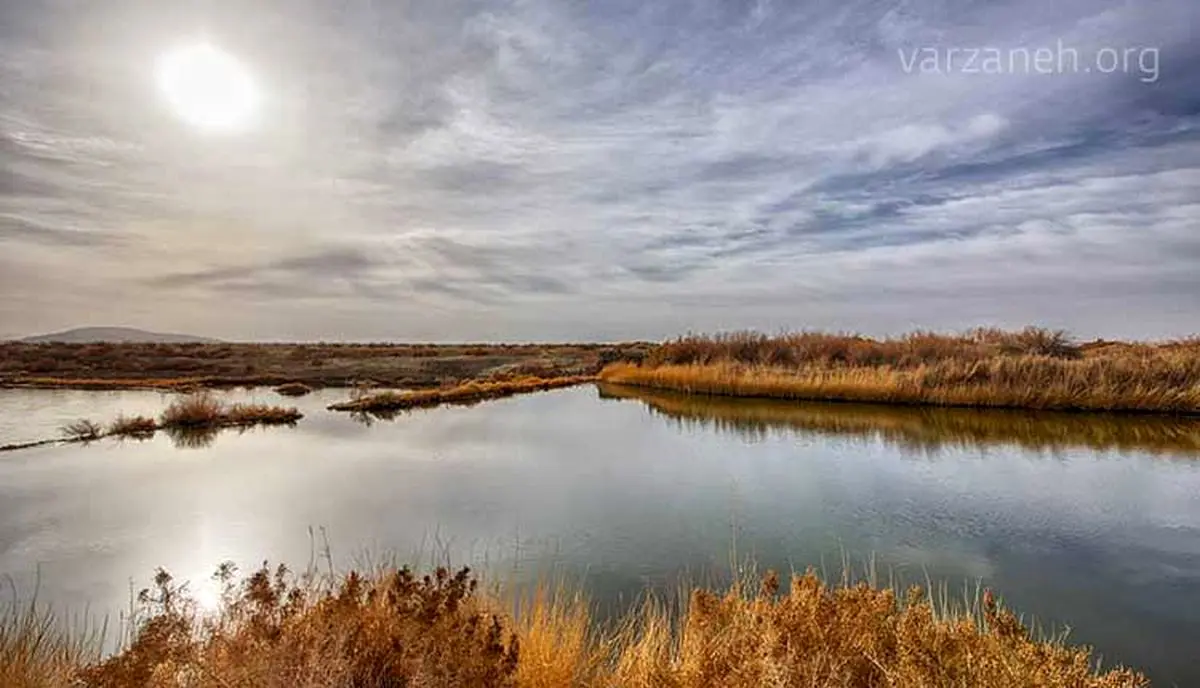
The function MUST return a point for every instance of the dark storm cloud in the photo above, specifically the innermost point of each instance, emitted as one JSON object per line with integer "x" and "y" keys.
{"x": 464, "y": 166}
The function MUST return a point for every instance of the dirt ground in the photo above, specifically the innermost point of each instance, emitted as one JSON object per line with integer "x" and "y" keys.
{"x": 110, "y": 365}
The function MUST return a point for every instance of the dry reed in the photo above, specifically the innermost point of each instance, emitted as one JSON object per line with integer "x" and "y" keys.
{"x": 1034, "y": 369}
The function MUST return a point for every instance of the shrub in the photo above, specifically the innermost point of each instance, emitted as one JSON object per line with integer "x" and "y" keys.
{"x": 193, "y": 410}
{"x": 133, "y": 426}
{"x": 82, "y": 431}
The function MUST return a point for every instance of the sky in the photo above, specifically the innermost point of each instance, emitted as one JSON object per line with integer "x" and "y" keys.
{"x": 451, "y": 170}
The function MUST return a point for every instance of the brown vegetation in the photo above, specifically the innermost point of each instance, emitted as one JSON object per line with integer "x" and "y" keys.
{"x": 294, "y": 389}
{"x": 1033, "y": 368}
{"x": 464, "y": 394}
{"x": 397, "y": 629}
{"x": 191, "y": 421}
{"x": 132, "y": 426}
{"x": 203, "y": 365}
{"x": 82, "y": 431}
{"x": 206, "y": 411}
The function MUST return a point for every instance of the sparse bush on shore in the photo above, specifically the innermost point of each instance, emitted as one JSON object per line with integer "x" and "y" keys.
{"x": 82, "y": 430}
{"x": 395, "y": 628}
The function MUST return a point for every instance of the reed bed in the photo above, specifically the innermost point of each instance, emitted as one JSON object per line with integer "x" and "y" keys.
{"x": 1032, "y": 369}
{"x": 464, "y": 394}
{"x": 395, "y": 628}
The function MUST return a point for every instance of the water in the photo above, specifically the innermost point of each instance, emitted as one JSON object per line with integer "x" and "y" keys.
{"x": 1092, "y": 523}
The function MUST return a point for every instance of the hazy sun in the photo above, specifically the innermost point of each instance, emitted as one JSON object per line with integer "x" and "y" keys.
{"x": 208, "y": 88}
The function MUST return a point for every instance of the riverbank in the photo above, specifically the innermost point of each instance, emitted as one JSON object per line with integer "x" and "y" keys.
{"x": 395, "y": 628}
{"x": 188, "y": 367}
{"x": 1032, "y": 369}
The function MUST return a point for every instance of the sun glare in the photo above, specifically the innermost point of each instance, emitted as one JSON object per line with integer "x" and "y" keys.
{"x": 208, "y": 88}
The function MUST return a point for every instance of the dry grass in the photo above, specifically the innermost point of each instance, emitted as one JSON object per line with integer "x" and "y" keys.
{"x": 132, "y": 426}
{"x": 1034, "y": 369}
{"x": 907, "y": 351}
{"x": 396, "y": 629}
{"x": 244, "y": 415}
{"x": 206, "y": 411}
{"x": 196, "y": 410}
{"x": 35, "y": 653}
{"x": 464, "y": 394}
{"x": 214, "y": 365}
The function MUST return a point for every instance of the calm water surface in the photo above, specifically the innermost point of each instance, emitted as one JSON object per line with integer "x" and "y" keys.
{"x": 1090, "y": 523}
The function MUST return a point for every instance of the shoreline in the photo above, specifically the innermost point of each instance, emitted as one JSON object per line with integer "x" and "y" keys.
{"x": 622, "y": 378}
{"x": 395, "y": 626}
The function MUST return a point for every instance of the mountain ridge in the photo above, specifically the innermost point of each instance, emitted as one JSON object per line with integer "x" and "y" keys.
{"x": 87, "y": 335}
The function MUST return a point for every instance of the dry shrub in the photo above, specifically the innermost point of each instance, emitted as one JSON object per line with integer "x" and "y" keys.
{"x": 82, "y": 431}
{"x": 274, "y": 629}
{"x": 259, "y": 414}
{"x": 205, "y": 411}
{"x": 193, "y": 410}
{"x": 133, "y": 426}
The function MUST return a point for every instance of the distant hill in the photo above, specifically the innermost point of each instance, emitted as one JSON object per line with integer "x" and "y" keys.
{"x": 81, "y": 335}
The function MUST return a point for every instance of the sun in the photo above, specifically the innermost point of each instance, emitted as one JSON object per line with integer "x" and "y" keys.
{"x": 208, "y": 88}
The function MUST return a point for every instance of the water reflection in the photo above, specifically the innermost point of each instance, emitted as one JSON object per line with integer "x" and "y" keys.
{"x": 923, "y": 429}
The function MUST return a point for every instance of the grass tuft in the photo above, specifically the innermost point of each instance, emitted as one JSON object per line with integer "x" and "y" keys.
{"x": 133, "y": 426}
{"x": 206, "y": 411}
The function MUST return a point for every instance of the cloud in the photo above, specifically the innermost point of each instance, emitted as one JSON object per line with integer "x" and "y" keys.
{"x": 534, "y": 169}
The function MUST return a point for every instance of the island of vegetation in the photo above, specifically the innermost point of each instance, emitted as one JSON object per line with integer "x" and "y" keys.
{"x": 195, "y": 414}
